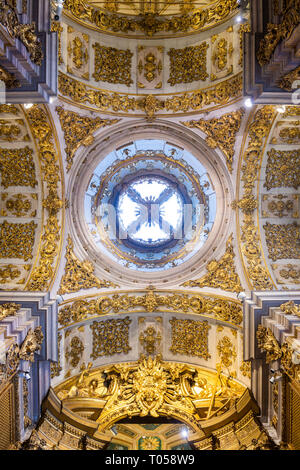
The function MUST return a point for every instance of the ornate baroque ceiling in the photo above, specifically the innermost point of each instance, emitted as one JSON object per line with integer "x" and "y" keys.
{"x": 150, "y": 92}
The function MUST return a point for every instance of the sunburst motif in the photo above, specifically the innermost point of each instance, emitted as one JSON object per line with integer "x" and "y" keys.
{"x": 149, "y": 443}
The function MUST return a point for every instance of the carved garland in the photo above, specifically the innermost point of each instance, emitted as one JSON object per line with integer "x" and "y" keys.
{"x": 220, "y": 309}
{"x": 251, "y": 160}
{"x": 106, "y": 101}
{"x": 52, "y": 177}
{"x": 221, "y": 274}
{"x": 9, "y": 17}
{"x": 78, "y": 130}
{"x": 221, "y": 132}
{"x": 150, "y": 24}
{"x": 79, "y": 274}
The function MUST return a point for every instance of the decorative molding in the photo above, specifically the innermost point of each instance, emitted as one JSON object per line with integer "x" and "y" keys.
{"x": 250, "y": 246}
{"x": 190, "y": 337}
{"x": 9, "y": 309}
{"x": 283, "y": 169}
{"x": 17, "y": 240}
{"x": 52, "y": 178}
{"x": 226, "y": 351}
{"x": 221, "y": 274}
{"x": 78, "y": 53}
{"x": 110, "y": 337}
{"x": 78, "y": 130}
{"x": 150, "y": 23}
{"x": 74, "y": 354}
{"x": 221, "y": 309}
{"x": 283, "y": 240}
{"x": 17, "y": 167}
{"x": 221, "y": 132}
{"x": 26, "y": 33}
{"x": 112, "y": 65}
{"x": 150, "y": 67}
{"x": 150, "y": 339}
{"x": 9, "y": 79}
{"x": 188, "y": 65}
{"x": 181, "y": 103}
{"x": 287, "y": 80}
{"x": 267, "y": 341}
{"x": 79, "y": 274}
{"x": 56, "y": 367}
{"x": 290, "y": 19}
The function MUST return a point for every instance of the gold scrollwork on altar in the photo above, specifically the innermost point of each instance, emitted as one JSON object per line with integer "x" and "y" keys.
{"x": 151, "y": 387}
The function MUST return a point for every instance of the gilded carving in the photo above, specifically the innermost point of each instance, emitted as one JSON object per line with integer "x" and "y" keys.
{"x": 283, "y": 169}
{"x": 7, "y": 310}
{"x": 221, "y": 274}
{"x": 222, "y": 55}
{"x": 18, "y": 205}
{"x": 220, "y": 309}
{"x": 49, "y": 160}
{"x": 149, "y": 67}
{"x": 247, "y": 204}
{"x": 289, "y": 272}
{"x": 226, "y": 351}
{"x": 250, "y": 244}
{"x": 280, "y": 205}
{"x": 17, "y": 240}
{"x": 79, "y": 274}
{"x": 17, "y": 167}
{"x": 287, "y": 362}
{"x": 75, "y": 352}
{"x": 149, "y": 22}
{"x": 78, "y": 130}
{"x": 150, "y": 339}
{"x": 9, "y": 18}
{"x": 282, "y": 240}
{"x": 245, "y": 369}
{"x": 9, "y": 109}
{"x": 286, "y": 132}
{"x": 27, "y": 421}
{"x": 279, "y": 32}
{"x": 244, "y": 28}
{"x": 155, "y": 388}
{"x": 110, "y": 337}
{"x": 188, "y": 65}
{"x": 150, "y": 104}
{"x": 56, "y": 366}
{"x": 31, "y": 344}
{"x": 9, "y": 79}
{"x": 219, "y": 94}
{"x": 267, "y": 341}
{"x": 291, "y": 111}
{"x": 221, "y": 132}
{"x": 190, "y": 337}
{"x": 57, "y": 27}
{"x": 112, "y": 65}
{"x": 290, "y": 308}
{"x": 8, "y": 273}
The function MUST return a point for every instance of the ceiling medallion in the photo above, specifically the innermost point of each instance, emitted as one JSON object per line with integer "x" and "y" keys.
{"x": 150, "y": 209}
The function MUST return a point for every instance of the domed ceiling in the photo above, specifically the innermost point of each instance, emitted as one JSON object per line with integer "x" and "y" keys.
{"x": 153, "y": 208}
{"x": 155, "y": 195}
